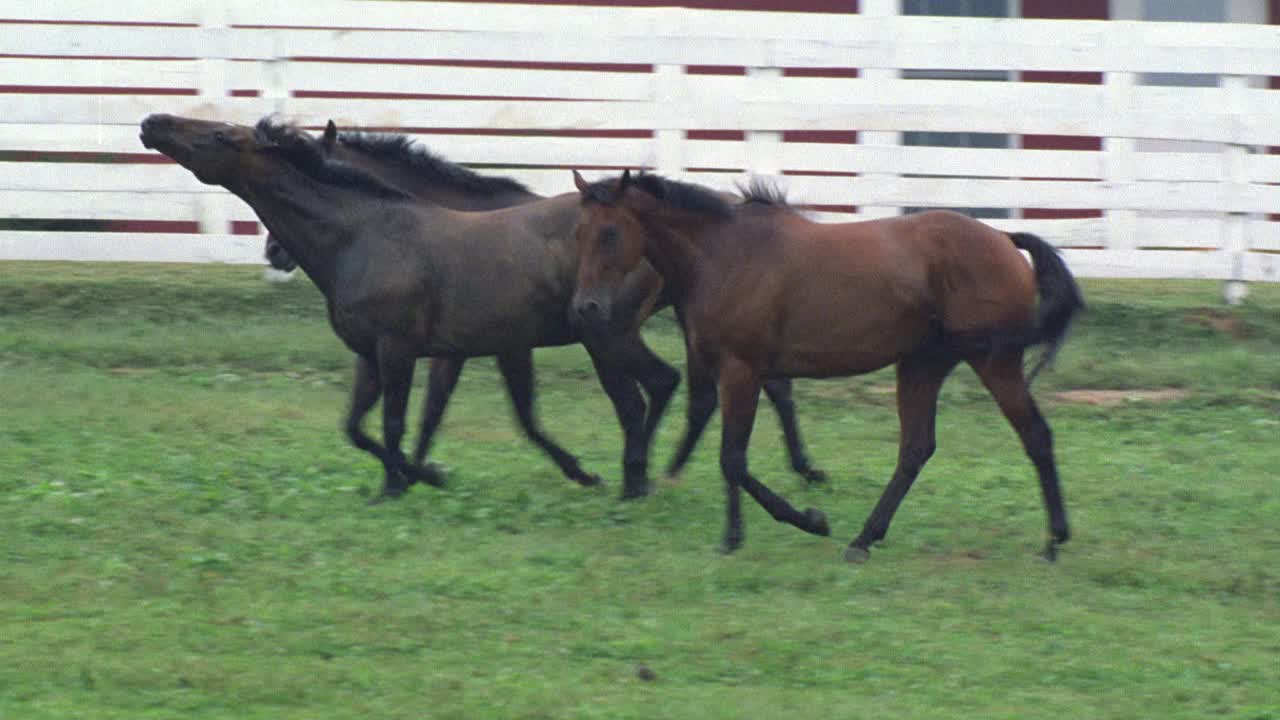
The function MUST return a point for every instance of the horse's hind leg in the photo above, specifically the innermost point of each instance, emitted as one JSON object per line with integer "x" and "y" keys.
{"x": 740, "y": 396}
{"x": 441, "y": 380}
{"x": 779, "y": 392}
{"x": 630, "y": 408}
{"x": 1003, "y": 376}
{"x": 920, "y": 378}
{"x": 517, "y": 370}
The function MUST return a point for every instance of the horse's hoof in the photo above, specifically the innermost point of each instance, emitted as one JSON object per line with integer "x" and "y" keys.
{"x": 429, "y": 474}
{"x": 814, "y": 476}
{"x": 856, "y": 555}
{"x": 1050, "y": 553}
{"x": 589, "y": 480}
{"x": 386, "y": 495}
{"x": 730, "y": 545}
{"x": 637, "y": 492}
{"x": 817, "y": 522}
{"x": 673, "y": 478}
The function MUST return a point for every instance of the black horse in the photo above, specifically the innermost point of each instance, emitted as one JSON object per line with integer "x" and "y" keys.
{"x": 397, "y": 160}
{"x": 404, "y": 278}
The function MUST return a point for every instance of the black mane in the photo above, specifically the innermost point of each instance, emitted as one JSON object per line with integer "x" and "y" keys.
{"x": 760, "y": 191}
{"x": 304, "y": 152}
{"x": 402, "y": 149}
{"x": 682, "y": 196}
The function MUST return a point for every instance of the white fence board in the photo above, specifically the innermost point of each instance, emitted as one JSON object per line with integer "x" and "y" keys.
{"x": 131, "y": 247}
{"x": 1218, "y": 125}
{"x": 109, "y": 205}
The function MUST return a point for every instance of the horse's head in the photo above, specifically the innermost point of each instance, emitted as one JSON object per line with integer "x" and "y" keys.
{"x": 217, "y": 153}
{"x": 611, "y": 243}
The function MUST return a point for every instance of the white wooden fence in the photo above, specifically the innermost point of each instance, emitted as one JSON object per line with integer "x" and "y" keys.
{"x": 1198, "y": 213}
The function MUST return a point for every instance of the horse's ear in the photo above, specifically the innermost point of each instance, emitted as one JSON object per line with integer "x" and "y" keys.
{"x": 580, "y": 182}
{"x": 330, "y": 137}
{"x": 624, "y": 181}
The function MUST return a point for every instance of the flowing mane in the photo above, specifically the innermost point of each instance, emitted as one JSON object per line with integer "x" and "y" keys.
{"x": 760, "y": 191}
{"x": 404, "y": 150}
{"x": 304, "y": 152}
{"x": 677, "y": 195}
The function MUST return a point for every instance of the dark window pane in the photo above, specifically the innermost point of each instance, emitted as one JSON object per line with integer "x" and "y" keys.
{"x": 963, "y": 8}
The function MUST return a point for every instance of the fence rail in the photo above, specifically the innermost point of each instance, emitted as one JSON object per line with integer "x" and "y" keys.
{"x": 1182, "y": 180}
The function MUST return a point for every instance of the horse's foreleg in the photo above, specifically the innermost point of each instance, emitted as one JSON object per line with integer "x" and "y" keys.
{"x": 395, "y": 368}
{"x": 658, "y": 378}
{"x": 1003, "y": 376}
{"x": 365, "y": 390}
{"x": 779, "y": 392}
{"x": 920, "y": 378}
{"x": 630, "y": 408}
{"x": 739, "y": 397}
{"x": 441, "y": 380}
{"x": 702, "y": 403}
{"x": 517, "y": 370}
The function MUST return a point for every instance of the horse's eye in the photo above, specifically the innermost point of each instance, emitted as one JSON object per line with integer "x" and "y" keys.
{"x": 609, "y": 239}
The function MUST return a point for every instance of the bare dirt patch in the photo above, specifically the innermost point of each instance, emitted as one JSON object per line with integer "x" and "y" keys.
{"x": 1110, "y": 398}
{"x": 1220, "y": 321}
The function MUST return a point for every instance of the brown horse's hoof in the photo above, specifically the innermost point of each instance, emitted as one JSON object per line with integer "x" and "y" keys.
{"x": 817, "y": 522}
{"x": 856, "y": 555}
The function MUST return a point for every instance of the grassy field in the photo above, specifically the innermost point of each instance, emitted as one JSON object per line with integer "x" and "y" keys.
{"x": 185, "y": 531}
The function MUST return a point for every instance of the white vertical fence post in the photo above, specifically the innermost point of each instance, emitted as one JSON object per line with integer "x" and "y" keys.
{"x": 669, "y": 94}
{"x": 764, "y": 147}
{"x": 670, "y": 91}
{"x": 1119, "y": 166}
{"x": 1235, "y": 173}
{"x": 212, "y": 208}
{"x": 879, "y": 8}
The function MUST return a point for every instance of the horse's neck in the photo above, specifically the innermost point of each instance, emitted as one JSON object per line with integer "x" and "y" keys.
{"x": 306, "y": 218}
{"x": 675, "y": 250}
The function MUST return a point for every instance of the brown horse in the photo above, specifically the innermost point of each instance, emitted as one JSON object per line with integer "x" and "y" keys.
{"x": 765, "y": 292}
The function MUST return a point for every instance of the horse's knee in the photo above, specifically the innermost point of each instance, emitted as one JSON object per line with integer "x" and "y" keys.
{"x": 915, "y": 455}
{"x": 664, "y": 382}
{"x": 733, "y": 463}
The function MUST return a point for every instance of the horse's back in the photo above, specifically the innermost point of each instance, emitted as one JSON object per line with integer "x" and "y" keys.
{"x": 872, "y": 289}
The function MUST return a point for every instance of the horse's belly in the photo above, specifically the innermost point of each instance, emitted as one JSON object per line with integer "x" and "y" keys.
{"x": 478, "y": 334}
{"x": 839, "y": 351}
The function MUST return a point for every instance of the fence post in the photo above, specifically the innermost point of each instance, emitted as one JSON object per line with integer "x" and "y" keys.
{"x": 879, "y": 9}
{"x": 764, "y": 147}
{"x": 670, "y": 93}
{"x": 1119, "y": 166}
{"x": 212, "y": 209}
{"x": 1235, "y": 225}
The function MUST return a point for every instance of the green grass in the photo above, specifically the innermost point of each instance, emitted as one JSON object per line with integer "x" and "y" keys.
{"x": 184, "y": 531}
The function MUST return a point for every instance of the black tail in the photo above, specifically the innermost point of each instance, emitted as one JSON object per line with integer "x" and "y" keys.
{"x": 1060, "y": 297}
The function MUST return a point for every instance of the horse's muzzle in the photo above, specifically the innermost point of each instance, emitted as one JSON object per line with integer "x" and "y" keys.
{"x": 590, "y": 313}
